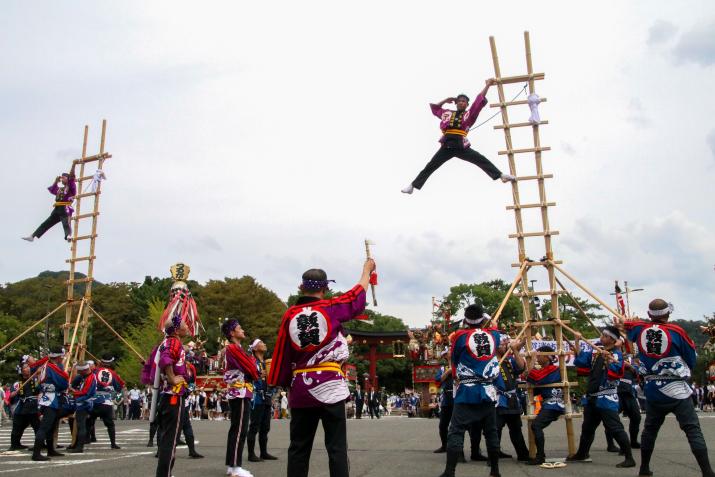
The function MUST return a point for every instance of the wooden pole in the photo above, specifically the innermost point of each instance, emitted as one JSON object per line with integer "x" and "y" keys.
{"x": 32, "y": 327}
{"x": 372, "y": 287}
{"x": 586, "y": 290}
{"x": 508, "y": 350}
{"x": 74, "y": 333}
{"x": 141, "y": 358}
{"x": 37, "y": 371}
{"x": 578, "y": 306}
{"x": 495, "y": 319}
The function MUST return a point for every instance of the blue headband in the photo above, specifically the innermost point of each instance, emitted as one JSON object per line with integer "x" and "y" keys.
{"x": 315, "y": 284}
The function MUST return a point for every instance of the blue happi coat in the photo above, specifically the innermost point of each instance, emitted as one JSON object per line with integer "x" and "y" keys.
{"x": 666, "y": 354}
{"x": 53, "y": 383}
{"x": 607, "y": 393}
{"x": 551, "y": 398}
{"x": 475, "y": 365}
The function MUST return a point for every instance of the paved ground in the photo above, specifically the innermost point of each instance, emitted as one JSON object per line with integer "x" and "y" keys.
{"x": 389, "y": 447}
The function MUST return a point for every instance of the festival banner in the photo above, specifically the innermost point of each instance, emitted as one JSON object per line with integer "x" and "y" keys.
{"x": 425, "y": 374}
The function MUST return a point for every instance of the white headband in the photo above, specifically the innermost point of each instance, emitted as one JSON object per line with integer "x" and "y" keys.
{"x": 478, "y": 320}
{"x": 609, "y": 333}
{"x": 56, "y": 355}
{"x": 665, "y": 311}
{"x": 108, "y": 361}
{"x": 254, "y": 344}
{"x": 82, "y": 367}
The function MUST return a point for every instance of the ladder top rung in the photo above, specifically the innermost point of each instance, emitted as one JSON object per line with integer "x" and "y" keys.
{"x": 519, "y": 125}
{"x": 84, "y": 216}
{"x": 530, "y": 206}
{"x": 536, "y": 264}
{"x": 87, "y": 194}
{"x": 522, "y": 151}
{"x": 80, "y": 259}
{"x": 513, "y": 103}
{"x": 545, "y": 233}
{"x": 520, "y": 78}
{"x": 85, "y": 237}
{"x": 96, "y": 157}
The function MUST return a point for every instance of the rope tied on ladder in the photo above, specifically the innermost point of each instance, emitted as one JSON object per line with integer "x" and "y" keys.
{"x": 523, "y": 90}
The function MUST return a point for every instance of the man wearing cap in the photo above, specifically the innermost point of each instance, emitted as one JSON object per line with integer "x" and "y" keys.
{"x": 54, "y": 382}
{"x": 455, "y": 126}
{"x": 23, "y": 402}
{"x": 604, "y": 369}
{"x": 308, "y": 358}
{"x": 261, "y": 407}
{"x": 508, "y": 406}
{"x": 84, "y": 388}
{"x": 109, "y": 384}
{"x": 552, "y": 399}
{"x": 64, "y": 188}
{"x": 240, "y": 370}
{"x": 474, "y": 368}
{"x": 667, "y": 356}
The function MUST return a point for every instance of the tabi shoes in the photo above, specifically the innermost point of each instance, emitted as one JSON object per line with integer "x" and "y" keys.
{"x": 507, "y": 178}
{"x": 29, "y": 239}
{"x": 407, "y": 190}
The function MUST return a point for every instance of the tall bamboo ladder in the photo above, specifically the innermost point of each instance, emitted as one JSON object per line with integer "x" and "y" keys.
{"x": 87, "y": 255}
{"x": 556, "y": 288}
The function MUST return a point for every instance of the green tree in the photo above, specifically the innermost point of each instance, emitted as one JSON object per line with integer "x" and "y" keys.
{"x": 144, "y": 336}
{"x": 490, "y": 294}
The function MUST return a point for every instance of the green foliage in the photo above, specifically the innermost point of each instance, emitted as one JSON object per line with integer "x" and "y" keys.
{"x": 490, "y": 294}
{"x": 143, "y": 336}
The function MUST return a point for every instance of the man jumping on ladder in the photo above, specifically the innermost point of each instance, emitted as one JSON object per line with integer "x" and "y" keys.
{"x": 64, "y": 189}
{"x": 455, "y": 126}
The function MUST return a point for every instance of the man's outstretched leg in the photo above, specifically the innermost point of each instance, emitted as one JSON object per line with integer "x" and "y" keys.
{"x": 441, "y": 156}
{"x": 473, "y": 157}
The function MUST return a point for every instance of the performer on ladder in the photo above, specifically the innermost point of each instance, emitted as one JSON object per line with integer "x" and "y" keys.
{"x": 604, "y": 371}
{"x": 474, "y": 367}
{"x": 23, "y": 403}
{"x": 455, "y": 126}
{"x": 240, "y": 371}
{"x": 109, "y": 384}
{"x": 84, "y": 388}
{"x": 667, "y": 357}
{"x": 308, "y": 358}
{"x": 64, "y": 189}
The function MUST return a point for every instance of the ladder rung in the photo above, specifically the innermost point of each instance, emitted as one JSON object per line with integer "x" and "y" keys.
{"x": 533, "y": 264}
{"x": 87, "y": 194}
{"x": 85, "y": 216}
{"x": 80, "y": 259}
{"x": 522, "y": 151}
{"x": 513, "y": 103}
{"x": 530, "y": 206}
{"x": 518, "y": 125}
{"x": 534, "y": 178}
{"x": 84, "y": 178}
{"x": 96, "y": 157}
{"x": 85, "y": 237}
{"x": 548, "y": 322}
{"x": 545, "y": 233}
{"x": 540, "y": 293}
{"x": 79, "y": 280}
{"x": 520, "y": 78}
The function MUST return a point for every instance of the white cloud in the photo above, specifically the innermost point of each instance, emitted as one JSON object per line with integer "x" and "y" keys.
{"x": 661, "y": 31}
{"x": 697, "y": 45}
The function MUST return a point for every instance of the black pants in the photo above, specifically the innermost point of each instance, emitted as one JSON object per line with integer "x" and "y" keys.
{"x": 542, "y": 421}
{"x": 464, "y": 417}
{"x": 106, "y": 414}
{"x": 358, "y": 409}
{"x": 261, "y": 425}
{"x": 240, "y": 414}
{"x": 592, "y": 417}
{"x": 444, "y": 154}
{"x": 45, "y": 433}
{"x": 135, "y": 409}
{"x": 445, "y": 415}
{"x": 303, "y": 424}
{"x": 475, "y": 438}
{"x": 374, "y": 410}
{"x": 20, "y": 422}
{"x": 169, "y": 416}
{"x": 188, "y": 430}
{"x": 80, "y": 421}
{"x": 513, "y": 422}
{"x": 684, "y": 411}
{"x": 58, "y": 214}
{"x": 629, "y": 407}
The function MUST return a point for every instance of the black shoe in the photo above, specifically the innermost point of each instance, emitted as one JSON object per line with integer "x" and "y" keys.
{"x": 150, "y": 444}
{"x": 14, "y": 448}
{"x": 267, "y": 456}
{"x": 536, "y": 461}
{"x": 576, "y": 458}
{"x": 628, "y": 462}
{"x": 613, "y": 448}
{"x": 523, "y": 458}
{"x": 58, "y": 446}
{"x": 70, "y": 447}
{"x": 504, "y": 455}
{"x": 156, "y": 455}
{"x": 645, "y": 473}
{"x": 54, "y": 453}
{"x": 76, "y": 450}
{"x": 40, "y": 458}
{"x": 635, "y": 445}
{"x": 254, "y": 458}
{"x": 196, "y": 455}
{"x": 93, "y": 439}
{"x": 478, "y": 458}
{"x": 441, "y": 450}
{"x": 115, "y": 446}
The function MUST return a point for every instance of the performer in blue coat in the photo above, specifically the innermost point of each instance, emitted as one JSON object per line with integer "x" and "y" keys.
{"x": 604, "y": 371}
{"x": 667, "y": 356}
{"x": 53, "y": 387}
{"x": 84, "y": 389}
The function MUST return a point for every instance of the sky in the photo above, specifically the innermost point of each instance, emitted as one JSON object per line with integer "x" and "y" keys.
{"x": 266, "y": 138}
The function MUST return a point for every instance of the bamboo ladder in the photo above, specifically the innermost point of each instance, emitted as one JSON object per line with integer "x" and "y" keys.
{"x": 87, "y": 244}
{"x": 526, "y": 294}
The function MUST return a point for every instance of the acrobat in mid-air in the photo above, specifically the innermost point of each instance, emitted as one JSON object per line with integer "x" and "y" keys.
{"x": 455, "y": 126}
{"x": 64, "y": 188}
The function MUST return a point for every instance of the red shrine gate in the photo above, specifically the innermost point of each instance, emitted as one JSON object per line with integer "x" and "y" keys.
{"x": 397, "y": 339}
